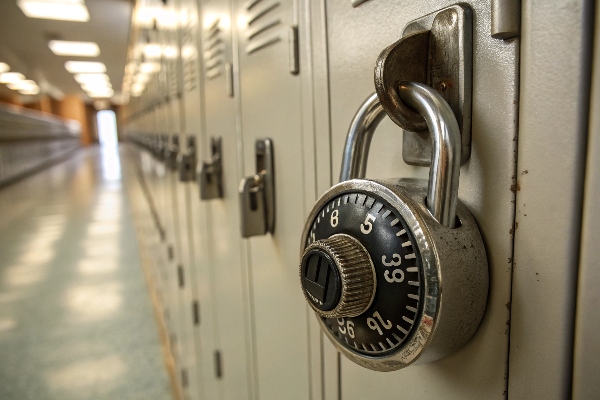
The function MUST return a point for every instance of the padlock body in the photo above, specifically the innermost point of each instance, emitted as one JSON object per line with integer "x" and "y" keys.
{"x": 209, "y": 179}
{"x": 252, "y": 207}
{"x": 452, "y": 280}
{"x": 187, "y": 166}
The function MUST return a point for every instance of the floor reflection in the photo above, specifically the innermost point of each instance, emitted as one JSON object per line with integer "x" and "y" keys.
{"x": 100, "y": 374}
{"x": 75, "y": 316}
{"x": 95, "y": 301}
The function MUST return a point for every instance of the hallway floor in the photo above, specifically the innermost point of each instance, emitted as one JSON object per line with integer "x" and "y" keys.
{"x": 76, "y": 320}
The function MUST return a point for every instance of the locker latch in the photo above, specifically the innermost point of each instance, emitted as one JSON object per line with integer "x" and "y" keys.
{"x": 210, "y": 177}
{"x": 171, "y": 152}
{"x": 435, "y": 50}
{"x": 257, "y": 193}
{"x": 187, "y": 161}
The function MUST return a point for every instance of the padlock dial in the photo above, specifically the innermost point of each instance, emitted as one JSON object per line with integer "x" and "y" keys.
{"x": 395, "y": 309}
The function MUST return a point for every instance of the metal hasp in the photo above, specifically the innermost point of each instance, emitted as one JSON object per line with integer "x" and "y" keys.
{"x": 210, "y": 176}
{"x": 257, "y": 193}
{"x": 187, "y": 161}
{"x": 435, "y": 50}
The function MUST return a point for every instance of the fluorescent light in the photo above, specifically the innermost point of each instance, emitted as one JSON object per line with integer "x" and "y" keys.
{"x": 11, "y": 77}
{"x": 141, "y": 78}
{"x": 149, "y": 67}
{"x": 131, "y": 67}
{"x": 104, "y": 93}
{"x": 81, "y": 49}
{"x": 32, "y": 91}
{"x": 84, "y": 66}
{"x": 4, "y": 67}
{"x": 96, "y": 86}
{"x": 137, "y": 89}
{"x": 23, "y": 85}
{"x": 64, "y": 10}
{"x": 152, "y": 51}
{"x": 170, "y": 52}
{"x": 87, "y": 78}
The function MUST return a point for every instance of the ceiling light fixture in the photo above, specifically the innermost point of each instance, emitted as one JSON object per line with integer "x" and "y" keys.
{"x": 76, "y": 67}
{"x": 63, "y": 10}
{"x": 152, "y": 51}
{"x": 97, "y": 88}
{"x": 33, "y": 91}
{"x": 102, "y": 94}
{"x": 141, "y": 78}
{"x": 149, "y": 67}
{"x": 11, "y": 77}
{"x": 137, "y": 89}
{"x": 80, "y": 49}
{"x": 130, "y": 67}
{"x": 87, "y": 78}
{"x": 23, "y": 85}
{"x": 4, "y": 67}
{"x": 170, "y": 52}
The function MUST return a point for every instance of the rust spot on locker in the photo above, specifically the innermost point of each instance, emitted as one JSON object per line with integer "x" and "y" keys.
{"x": 515, "y": 187}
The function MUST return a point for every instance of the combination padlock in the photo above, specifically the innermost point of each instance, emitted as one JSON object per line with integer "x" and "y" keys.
{"x": 396, "y": 270}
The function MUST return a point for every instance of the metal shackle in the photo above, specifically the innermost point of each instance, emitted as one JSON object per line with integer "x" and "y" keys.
{"x": 442, "y": 192}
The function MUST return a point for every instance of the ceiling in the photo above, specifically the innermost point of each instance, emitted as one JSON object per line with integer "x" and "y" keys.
{"x": 24, "y": 44}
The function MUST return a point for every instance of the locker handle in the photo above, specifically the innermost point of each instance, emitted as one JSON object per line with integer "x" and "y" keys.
{"x": 257, "y": 193}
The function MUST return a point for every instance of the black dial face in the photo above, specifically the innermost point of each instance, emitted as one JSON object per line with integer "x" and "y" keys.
{"x": 395, "y": 309}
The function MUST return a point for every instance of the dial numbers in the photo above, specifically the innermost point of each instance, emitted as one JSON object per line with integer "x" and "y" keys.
{"x": 389, "y": 321}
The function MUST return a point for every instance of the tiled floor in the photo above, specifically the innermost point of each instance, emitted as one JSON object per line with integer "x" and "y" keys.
{"x": 76, "y": 321}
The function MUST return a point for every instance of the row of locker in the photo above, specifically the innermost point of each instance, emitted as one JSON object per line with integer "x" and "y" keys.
{"x": 295, "y": 72}
{"x": 31, "y": 140}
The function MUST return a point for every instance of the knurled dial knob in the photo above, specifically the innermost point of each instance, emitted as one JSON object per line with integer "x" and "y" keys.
{"x": 338, "y": 277}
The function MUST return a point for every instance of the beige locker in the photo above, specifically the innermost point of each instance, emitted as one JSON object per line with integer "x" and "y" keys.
{"x": 194, "y": 214}
{"x": 228, "y": 255}
{"x": 355, "y": 37}
{"x": 270, "y": 101}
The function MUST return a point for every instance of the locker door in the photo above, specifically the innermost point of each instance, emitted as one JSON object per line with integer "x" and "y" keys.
{"x": 270, "y": 107}
{"x": 178, "y": 242}
{"x": 195, "y": 213}
{"x": 355, "y": 37}
{"x": 226, "y": 249}
{"x": 188, "y": 368}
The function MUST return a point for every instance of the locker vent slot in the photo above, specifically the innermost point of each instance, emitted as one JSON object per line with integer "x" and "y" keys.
{"x": 172, "y": 83}
{"x": 214, "y": 54}
{"x": 264, "y": 25}
{"x": 189, "y": 56}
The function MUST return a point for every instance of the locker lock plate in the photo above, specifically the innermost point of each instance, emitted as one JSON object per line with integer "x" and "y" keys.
{"x": 435, "y": 50}
{"x": 257, "y": 193}
{"x": 210, "y": 176}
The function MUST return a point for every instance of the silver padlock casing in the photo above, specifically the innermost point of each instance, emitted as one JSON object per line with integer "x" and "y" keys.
{"x": 454, "y": 272}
